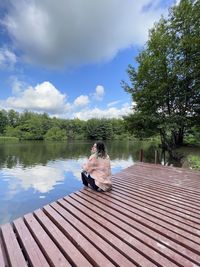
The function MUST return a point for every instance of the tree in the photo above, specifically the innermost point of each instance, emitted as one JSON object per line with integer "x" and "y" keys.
{"x": 166, "y": 84}
{"x": 3, "y": 121}
{"x": 32, "y": 126}
{"x": 56, "y": 134}
{"x": 11, "y": 131}
{"x": 97, "y": 129}
{"x": 13, "y": 118}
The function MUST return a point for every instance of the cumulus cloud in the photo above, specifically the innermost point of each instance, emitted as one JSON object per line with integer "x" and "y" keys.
{"x": 76, "y": 32}
{"x": 99, "y": 92}
{"x": 112, "y": 112}
{"x": 43, "y": 98}
{"x": 7, "y": 58}
{"x": 81, "y": 100}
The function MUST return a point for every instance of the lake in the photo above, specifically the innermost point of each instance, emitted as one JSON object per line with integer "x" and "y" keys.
{"x": 33, "y": 174}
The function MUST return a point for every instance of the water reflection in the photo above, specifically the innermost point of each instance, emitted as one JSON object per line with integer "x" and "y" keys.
{"x": 36, "y": 173}
{"x": 40, "y": 178}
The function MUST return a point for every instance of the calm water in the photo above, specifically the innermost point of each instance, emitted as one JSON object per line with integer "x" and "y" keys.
{"x": 33, "y": 174}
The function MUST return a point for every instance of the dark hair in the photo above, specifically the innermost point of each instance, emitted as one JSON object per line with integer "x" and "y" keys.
{"x": 101, "y": 149}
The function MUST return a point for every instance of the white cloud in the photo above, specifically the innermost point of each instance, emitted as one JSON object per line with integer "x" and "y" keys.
{"x": 99, "y": 92}
{"x": 112, "y": 112}
{"x": 78, "y": 32}
{"x": 113, "y": 103}
{"x": 43, "y": 98}
{"x": 17, "y": 85}
{"x": 7, "y": 58}
{"x": 81, "y": 100}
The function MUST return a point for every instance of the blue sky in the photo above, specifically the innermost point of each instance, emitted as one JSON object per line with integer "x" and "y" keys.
{"x": 67, "y": 57}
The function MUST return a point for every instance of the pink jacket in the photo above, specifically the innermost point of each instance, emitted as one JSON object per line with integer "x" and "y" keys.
{"x": 100, "y": 170}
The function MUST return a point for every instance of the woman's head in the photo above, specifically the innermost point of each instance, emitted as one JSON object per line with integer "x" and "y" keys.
{"x": 100, "y": 149}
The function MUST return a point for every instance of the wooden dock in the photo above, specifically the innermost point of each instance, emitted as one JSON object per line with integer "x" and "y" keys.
{"x": 150, "y": 218}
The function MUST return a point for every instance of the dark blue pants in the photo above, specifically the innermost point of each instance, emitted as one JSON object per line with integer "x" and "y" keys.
{"x": 88, "y": 180}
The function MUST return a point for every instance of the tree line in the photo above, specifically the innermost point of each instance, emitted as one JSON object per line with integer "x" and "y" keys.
{"x": 33, "y": 126}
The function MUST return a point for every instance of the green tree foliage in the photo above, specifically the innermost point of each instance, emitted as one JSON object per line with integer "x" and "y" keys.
{"x": 193, "y": 135}
{"x": 97, "y": 129}
{"x": 75, "y": 129}
{"x": 3, "y": 121}
{"x": 55, "y": 134}
{"x": 166, "y": 84}
{"x": 13, "y": 118}
{"x": 11, "y": 131}
{"x": 34, "y": 126}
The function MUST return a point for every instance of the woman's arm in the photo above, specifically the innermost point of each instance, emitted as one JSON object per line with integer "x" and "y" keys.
{"x": 91, "y": 164}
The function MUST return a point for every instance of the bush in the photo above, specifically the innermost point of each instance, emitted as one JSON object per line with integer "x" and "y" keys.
{"x": 193, "y": 136}
{"x": 194, "y": 161}
{"x": 121, "y": 137}
{"x": 79, "y": 137}
{"x": 55, "y": 134}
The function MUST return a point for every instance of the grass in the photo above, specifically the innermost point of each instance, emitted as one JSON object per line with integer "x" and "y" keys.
{"x": 191, "y": 156}
{"x": 6, "y": 139}
{"x": 194, "y": 162}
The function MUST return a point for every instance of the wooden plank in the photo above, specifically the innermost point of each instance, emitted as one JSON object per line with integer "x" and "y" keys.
{"x": 13, "y": 250}
{"x": 150, "y": 170}
{"x": 134, "y": 193}
{"x": 177, "y": 202}
{"x": 118, "y": 228}
{"x": 150, "y": 167}
{"x": 90, "y": 251}
{"x": 116, "y": 242}
{"x": 2, "y": 261}
{"x": 172, "y": 181}
{"x": 187, "y": 238}
{"x": 65, "y": 245}
{"x": 158, "y": 207}
{"x": 3, "y": 252}
{"x": 181, "y": 222}
{"x": 147, "y": 236}
{"x": 141, "y": 179}
{"x": 34, "y": 255}
{"x": 164, "y": 188}
{"x": 173, "y": 225}
{"x": 109, "y": 250}
{"x": 48, "y": 247}
{"x": 138, "y": 224}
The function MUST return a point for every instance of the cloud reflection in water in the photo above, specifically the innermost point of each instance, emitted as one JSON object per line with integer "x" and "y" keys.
{"x": 23, "y": 190}
{"x": 44, "y": 178}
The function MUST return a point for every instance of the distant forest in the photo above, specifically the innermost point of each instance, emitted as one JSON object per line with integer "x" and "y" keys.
{"x": 33, "y": 126}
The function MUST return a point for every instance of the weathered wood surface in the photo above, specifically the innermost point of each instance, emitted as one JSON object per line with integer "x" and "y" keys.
{"x": 150, "y": 218}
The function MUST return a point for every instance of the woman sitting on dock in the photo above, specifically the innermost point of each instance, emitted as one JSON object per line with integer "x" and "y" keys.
{"x": 97, "y": 171}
